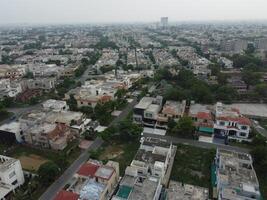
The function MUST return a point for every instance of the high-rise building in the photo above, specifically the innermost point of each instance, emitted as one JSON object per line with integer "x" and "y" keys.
{"x": 164, "y": 21}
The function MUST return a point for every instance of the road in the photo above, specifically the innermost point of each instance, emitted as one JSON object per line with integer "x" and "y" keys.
{"x": 17, "y": 112}
{"x": 51, "y": 192}
{"x": 197, "y": 143}
{"x": 259, "y": 129}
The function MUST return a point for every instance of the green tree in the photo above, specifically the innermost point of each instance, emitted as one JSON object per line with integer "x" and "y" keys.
{"x": 250, "y": 77}
{"x": 226, "y": 93}
{"x": 184, "y": 127}
{"x": 72, "y": 103}
{"x": 48, "y": 172}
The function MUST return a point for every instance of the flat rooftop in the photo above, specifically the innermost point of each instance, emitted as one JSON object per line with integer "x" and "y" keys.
{"x": 144, "y": 103}
{"x": 179, "y": 191}
{"x": 195, "y": 108}
{"x": 104, "y": 172}
{"x": 92, "y": 190}
{"x": 251, "y": 110}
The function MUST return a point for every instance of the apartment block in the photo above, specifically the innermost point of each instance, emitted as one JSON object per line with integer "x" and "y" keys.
{"x": 11, "y": 175}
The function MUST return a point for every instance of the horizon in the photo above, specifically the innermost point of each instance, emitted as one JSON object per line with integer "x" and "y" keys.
{"x": 126, "y": 11}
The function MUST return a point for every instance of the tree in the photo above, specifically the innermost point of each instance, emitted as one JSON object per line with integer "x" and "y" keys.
{"x": 120, "y": 93}
{"x": 226, "y": 93}
{"x": 184, "y": 127}
{"x": 87, "y": 110}
{"x": 250, "y": 77}
{"x": 48, "y": 172}
{"x": 72, "y": 103}
{"x": 261, "y": 89}
{"x": 128, "y": 131}
{"x": 201, "y": 93}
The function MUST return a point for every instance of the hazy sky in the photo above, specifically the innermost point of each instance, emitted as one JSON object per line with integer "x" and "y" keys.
{"x": 89, "y": 11}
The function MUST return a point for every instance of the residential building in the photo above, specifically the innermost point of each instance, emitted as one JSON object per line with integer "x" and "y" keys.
{"x": 146, "y": 111}
{"x": 148, "y": 171}
{"x": 236, "y": 178}
{"x": 55, "y": 105}
{"x": 10, "y": 88}
{"x": 54, "y": 136}
{"x": 171, "y": 110}
{"x": 230, "y": 123}
{"x": 202, "y": 116}
{"x": 11, "y": 175}
{"x": 45, "y": 84}
{"x": 181, "y": 191}
{"x": 93, "y": 180}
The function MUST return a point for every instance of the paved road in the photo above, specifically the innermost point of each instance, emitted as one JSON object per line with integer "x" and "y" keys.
{"x": 196, "y": 143}
{"x": 17, "y": 112}
{"x": 67, "y": 175}
{"x": 260, "y": 129}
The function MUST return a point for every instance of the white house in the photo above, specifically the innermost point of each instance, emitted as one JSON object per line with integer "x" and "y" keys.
{"x": 11, "y": 175}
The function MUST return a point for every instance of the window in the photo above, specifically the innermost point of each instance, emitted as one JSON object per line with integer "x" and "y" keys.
{"x": 244, "y": 127}
{"x": 222, "y": 123}
{"x": 12, "y": 174}
{"x": 243, "y": 134}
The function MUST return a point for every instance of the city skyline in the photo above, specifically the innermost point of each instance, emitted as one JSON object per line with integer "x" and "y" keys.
{"x": 125, "y": 11}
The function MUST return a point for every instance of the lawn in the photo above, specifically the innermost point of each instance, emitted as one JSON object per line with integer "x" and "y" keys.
{"x": 32, "y": 158}
{"x": 192, "y": 165}
{"x": 121, "y": 153}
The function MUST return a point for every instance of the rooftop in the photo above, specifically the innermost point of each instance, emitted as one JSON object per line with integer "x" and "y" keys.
{"x": 179, "y": 191}
{"x": 65, "y": 195}
{"x": 236, "y": 173}
{"x": 104, "y": 172}
{"x": 144, "y": 103}
{"x": 88, "y": 169}
{"x": 92, "y": 190}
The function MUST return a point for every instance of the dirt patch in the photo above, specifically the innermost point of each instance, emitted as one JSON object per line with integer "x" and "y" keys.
{"x": 111, "y": 152}
{"x": 31, "y": 162}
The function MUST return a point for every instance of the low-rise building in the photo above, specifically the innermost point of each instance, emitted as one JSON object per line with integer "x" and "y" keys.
{"x": 235, "y": 176}
{"x": 11, "y": 175}
{"x": 203, "y": 118}
{"x": 93, "y": 180}
{"x": 55, "y": 105}
{"x": 171, "y": 110}
{"x": 45, "y": 84}
{"x": 181, "y": 191}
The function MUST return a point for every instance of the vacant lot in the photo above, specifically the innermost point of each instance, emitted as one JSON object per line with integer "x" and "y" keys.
{"x": 31, "y": 162}
{"x": 121, "y": 153}
{"x": 192, "y": 165}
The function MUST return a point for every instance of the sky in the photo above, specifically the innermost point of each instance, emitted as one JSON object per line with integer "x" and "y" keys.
{"x": 108, "y": 11}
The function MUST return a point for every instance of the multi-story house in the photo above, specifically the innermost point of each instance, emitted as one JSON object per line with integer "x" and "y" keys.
{"x": 147, "y": 173}
{"x": 11, "y": 175}
{"x": 146, "y": 111}
{"x": 235, "y": 176}
{"x": 230, "y": 123}
{"x": 93, "y": 180}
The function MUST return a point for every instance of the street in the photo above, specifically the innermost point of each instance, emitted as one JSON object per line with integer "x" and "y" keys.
{"x": 259, "y": 129}
{"x": 51, "y": 192}
{"x": 196, "y": 143}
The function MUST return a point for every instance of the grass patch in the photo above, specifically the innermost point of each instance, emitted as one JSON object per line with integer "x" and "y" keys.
{"x": 192, "y": 165}
{"x": 121, "y": 153}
